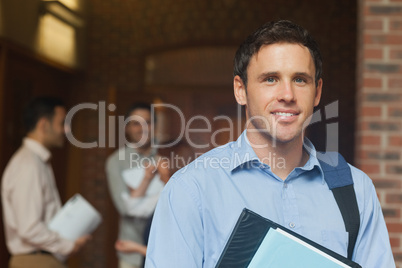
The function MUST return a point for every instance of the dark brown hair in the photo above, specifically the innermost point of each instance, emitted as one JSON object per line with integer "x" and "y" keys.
{"x": 282, "y": 31}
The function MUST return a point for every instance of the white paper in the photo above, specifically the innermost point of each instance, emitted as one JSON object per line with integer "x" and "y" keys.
{"x": 140, "y": 207}
{"x": 338, "y": 262}
{"x": 76, "y": 218}
{"x": 278, "y": 245}
{"x": 133, "y": 177}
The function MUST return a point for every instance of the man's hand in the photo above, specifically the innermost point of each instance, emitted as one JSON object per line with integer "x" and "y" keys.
{"x": 150, "y": 172}
{"x": 79, "y": 243}
{"x": 128, "y": 246}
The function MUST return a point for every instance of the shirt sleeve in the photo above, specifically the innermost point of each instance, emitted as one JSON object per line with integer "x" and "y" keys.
{"x": 27, "y": 203}
{"x": 176, "y": 238}
{"x": 372, "y": 247}
{"x": 140, "y": 206}
{"x": 116, "y": 185}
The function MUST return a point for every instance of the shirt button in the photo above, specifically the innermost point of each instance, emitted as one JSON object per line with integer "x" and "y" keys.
{"x": 292, "y": 225}
{"x": 285, "y": 185}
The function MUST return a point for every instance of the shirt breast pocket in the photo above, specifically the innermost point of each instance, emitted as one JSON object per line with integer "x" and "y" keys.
{"x": 335, "y": 240}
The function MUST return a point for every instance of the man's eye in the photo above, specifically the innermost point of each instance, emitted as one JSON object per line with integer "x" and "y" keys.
{"x": 299, "y": 80}
{"x": 271, "y": 80}
{"x": 134, "y": 123}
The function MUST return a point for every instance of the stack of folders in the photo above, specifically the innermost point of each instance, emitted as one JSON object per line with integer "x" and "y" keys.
{"x": 257, "y": 242}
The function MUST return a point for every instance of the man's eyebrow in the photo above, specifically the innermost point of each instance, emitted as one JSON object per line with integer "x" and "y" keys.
{"x": 265, "y": 75}
{"x": 304, "y": 74}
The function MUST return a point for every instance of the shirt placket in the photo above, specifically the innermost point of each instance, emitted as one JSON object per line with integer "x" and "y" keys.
{"x": 53, "y": 187}
{"x": 290, "y": 207}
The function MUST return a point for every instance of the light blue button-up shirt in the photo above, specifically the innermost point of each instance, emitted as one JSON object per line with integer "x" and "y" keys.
{"x": 201, "y": 203}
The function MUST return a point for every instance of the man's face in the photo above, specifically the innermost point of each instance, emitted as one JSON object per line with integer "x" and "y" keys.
{"x": 281, "y": 92}
{"x": 54, "y": 129}
{"x": 139, "y": 128}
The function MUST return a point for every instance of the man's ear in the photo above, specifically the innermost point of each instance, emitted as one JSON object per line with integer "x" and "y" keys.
{"x": 239, "y": 90}
{"x": 43, "y": 124}
{"x": 318, "y": 92}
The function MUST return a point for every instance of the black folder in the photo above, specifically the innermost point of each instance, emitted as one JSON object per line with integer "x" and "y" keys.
{"x": 248, "y": 234}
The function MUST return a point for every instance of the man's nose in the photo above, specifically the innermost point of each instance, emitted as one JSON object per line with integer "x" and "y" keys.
{"x": 286, "y": 92}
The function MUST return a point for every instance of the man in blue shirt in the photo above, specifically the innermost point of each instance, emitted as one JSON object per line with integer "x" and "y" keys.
{"x": 271, "y": 169}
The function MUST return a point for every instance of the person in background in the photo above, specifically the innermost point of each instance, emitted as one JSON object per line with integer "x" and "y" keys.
{"x": 29, "y": 194}
{"x": 180, "y": 150}
{"x": 136, "y": 203}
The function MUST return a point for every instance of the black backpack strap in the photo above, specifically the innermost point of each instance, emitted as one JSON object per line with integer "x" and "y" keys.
{"x": 338, "y": 176}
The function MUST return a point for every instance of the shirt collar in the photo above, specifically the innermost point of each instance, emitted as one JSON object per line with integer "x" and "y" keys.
{"x": 243, "y": 153}
{"x": 38, "y": 149}
{"x": 313, "y": 160}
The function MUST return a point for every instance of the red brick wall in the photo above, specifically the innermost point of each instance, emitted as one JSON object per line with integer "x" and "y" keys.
{"x": 379, "y": 110}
